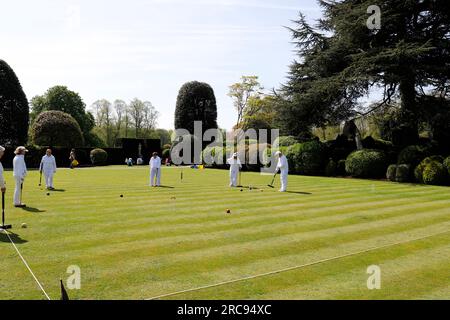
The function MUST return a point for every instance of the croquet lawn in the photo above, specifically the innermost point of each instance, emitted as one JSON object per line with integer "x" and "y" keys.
{"x": 324, "y": 234}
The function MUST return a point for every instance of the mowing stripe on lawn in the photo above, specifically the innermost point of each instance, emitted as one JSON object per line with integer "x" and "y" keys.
{"x": 26, "y": 265}
{"x": 294, "y": 268}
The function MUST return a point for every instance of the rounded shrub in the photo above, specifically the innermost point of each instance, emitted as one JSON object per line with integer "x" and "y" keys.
{"x": 411, "y": 155}
{"x": 420, "y": 169}
{"x": 57, "y": 129}
{"x": 366, "y": 163}
{"x": 391, "y": 172}
{"x": 435, "y": 174}
{"x": 308, "y": 158}
{"x": 403, "y": 173}
{"x": 99, "y": 157}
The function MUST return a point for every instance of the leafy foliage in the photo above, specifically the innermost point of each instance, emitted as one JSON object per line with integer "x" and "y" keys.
{"x": 367, "y": 163}
{"x": 411, "y": 155}
{"x": 308, "y": 158}
{"x": 403, "y": 173}
{"x": 391, "y": 172}
{"x": 60, "y": 98}
{"x": 56, "y": 128}
{"x": 341, "y": 59}
{"x": 13, "y": 108}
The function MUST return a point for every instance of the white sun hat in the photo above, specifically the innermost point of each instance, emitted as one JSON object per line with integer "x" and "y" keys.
{"x": 2, "y": 148}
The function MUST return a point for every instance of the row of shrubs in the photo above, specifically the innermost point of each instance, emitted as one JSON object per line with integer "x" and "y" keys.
{"x": 337, "y": 158}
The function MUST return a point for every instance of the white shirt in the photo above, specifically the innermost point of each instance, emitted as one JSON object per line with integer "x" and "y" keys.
{"x": 2, "y": 180}
{"x": 48, "y": 164}
{"x": 155, "y": 163}
{"x": 235, "y": 164}
{"x": 283, "y": 164}
{"x": 20, "y": 168}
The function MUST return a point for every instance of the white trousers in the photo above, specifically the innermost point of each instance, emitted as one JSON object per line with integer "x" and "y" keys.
{"x": 49, "y": 179}
{"x": 155, "y": 174}
{"x": 234, "y": 177}
{"x": 284, "y": 180}
{"x": 17, "y": 191}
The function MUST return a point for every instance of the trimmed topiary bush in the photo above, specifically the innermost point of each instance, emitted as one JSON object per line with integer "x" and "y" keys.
{"x": 403, "y": 173}
{"x": 435, "y": 174}
{"x": 391, "y": 173}
{"x": 98, "y": 157}
{"x": 308, "y": 158}
{"x": 419, "y": 171}
{"x": 366, "y": 163}
{"x": 331, "y": 168}
{"x": 57, "y": 129}
{"x": 411, "y": 155}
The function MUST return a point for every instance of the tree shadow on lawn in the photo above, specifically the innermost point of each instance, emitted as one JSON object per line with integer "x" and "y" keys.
{"x": 32, "y": 210}
{"x": 14, "y": 237}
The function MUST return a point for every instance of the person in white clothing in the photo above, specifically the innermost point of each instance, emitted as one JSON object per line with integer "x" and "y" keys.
{"x": 283, "y": 167}
{"x": 155, "y": 170}
{"x": 48, "y": 167}
{"x": 19, "y": 173}
{"x": 235, "y": 166}
{"x": 2, "y": 179}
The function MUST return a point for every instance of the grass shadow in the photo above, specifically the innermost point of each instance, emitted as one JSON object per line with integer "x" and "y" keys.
{"x": 247, "y": 187}
{"x": 14, "y": 237}
{"x": 166, "y": 187}
{"x": 32, "y": 210}
{"x": 58, "y": 190}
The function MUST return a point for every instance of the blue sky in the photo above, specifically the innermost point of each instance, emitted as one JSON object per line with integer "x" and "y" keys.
{"x": 149, "y": 48}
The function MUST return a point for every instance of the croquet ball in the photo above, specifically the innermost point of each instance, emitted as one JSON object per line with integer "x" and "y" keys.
{"x": 242, "y": 190}
{"x": 48, "y": 193}
{"x": 228, "y": 211}
{"x": 24, "y": 225}
{"x": 121, "y": 195}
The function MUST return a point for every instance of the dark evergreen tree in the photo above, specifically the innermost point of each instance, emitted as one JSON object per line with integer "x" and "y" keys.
{"x": 342, "y": 59}
{"x": 196, "y": 102}
{"x": 14, "y": 109}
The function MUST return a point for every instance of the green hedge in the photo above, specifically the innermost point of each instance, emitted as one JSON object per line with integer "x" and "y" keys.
{"x": 98, "y": 157}
{"x": 308, "y": 158}
{"x": 340, "y": 170}
{"x": 331, "y": 168}
{"x": 367, "y": 163}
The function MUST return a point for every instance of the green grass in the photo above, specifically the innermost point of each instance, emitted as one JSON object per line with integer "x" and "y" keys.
{"x": 157, "y": 241}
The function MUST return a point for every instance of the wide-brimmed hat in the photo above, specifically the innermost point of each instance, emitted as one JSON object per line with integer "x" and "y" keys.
{"x": 2, "y": 148}
{"x": 20, "y": 149}
{"x": 278, "y": 153}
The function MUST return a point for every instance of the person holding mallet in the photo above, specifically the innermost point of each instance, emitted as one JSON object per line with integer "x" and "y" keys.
{"x": 235, "y": 167}
{"x": 283, "y": 167}
{"x": 155, "y": 170}
{"x": 48, "y": 167}
{"x": 19, "y": 173}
